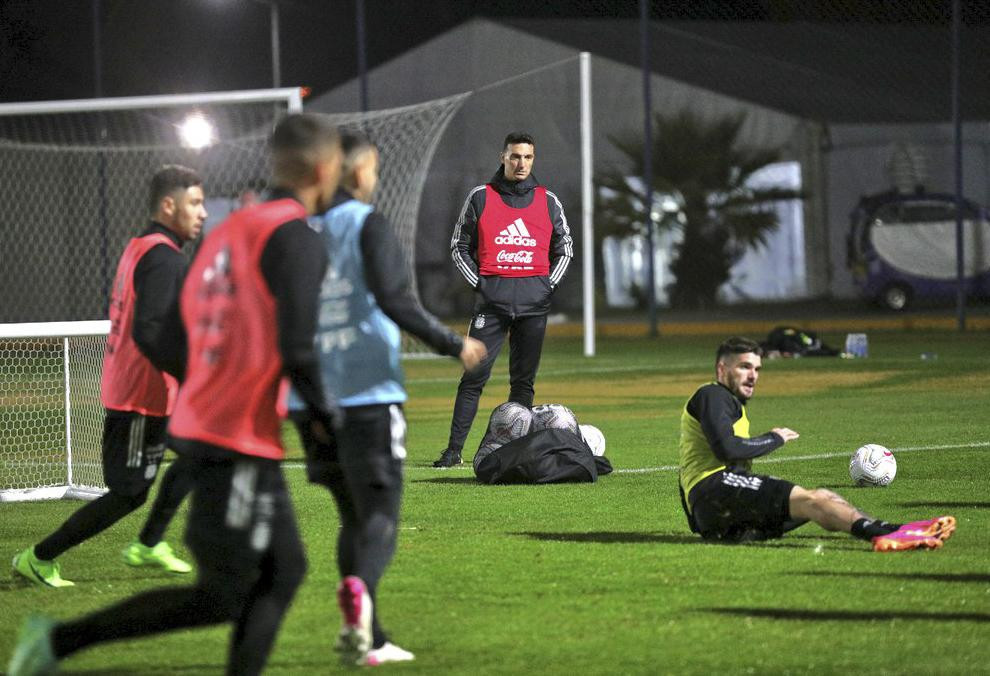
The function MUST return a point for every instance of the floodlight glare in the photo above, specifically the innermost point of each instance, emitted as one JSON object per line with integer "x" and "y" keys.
{"x": 196, "y": 131}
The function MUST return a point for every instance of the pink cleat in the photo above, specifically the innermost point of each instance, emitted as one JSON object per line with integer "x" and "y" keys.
{"x": 930, "y": 534}
{"x": 354, "y": 640}
{"x": 900, "y": 541}
{"x": 940, "y": 527}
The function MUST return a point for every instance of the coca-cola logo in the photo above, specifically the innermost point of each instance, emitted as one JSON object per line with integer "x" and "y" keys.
{"x": 515, "y": 240}
{"x": 514, "y": 257}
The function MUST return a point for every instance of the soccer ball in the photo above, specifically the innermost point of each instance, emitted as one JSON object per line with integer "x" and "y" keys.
{"x": 594, "y": 438}
{"x": 508, "y": 422}
{"x": 554, "y": 416}
{"x": 872, "y": 465}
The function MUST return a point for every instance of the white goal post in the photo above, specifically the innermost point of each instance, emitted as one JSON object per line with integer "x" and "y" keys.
{"x": 51, "y": 418}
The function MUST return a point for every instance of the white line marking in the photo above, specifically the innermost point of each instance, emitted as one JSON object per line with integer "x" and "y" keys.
{"x": 645, "y": 368}
{"x": 760, "y": 461}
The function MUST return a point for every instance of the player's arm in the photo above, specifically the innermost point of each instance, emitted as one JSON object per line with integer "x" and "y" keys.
{"x": 561, "y": 243}
{"x": 388, "y": 277}
{"x": 464, "y": 243}
{"x": 293, "y": 264}
{"x": 157, "y": 329}
{"x": 717, "y": 411}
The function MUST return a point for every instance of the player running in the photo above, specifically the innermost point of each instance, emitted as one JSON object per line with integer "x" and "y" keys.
{"x": 138, "y": 397}
{"x": 724, "y": 501}
{"x": 367, "y": 296}
{"x": 248, "y": 310}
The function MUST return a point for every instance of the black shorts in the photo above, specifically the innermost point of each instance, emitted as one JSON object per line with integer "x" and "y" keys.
{"x": 370, "y": 443}
{"x": 737, "y": 506}
{"x": 133, "y": 446}
{"x": 240, "y": 511}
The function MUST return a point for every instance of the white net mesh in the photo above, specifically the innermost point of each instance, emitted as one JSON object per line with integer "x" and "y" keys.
{"x": 406, "y": 138}
{"x": 51, "y": 419}
{"x": 73, "y": 188}
{"x": 73, "y": 185}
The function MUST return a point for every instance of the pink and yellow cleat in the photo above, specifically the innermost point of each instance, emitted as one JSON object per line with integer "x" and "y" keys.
{"x": 927, "y": 534}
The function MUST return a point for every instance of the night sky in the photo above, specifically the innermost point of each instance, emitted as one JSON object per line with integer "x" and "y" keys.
{"x": 178, "y": 46}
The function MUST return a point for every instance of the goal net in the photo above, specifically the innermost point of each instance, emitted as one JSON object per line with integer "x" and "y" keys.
{"x": 51, "y": 418}
{"x": 73, "y": 184}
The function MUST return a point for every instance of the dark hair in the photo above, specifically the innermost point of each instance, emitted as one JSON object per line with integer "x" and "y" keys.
{"x": 353, "y": 144}
{"x": 298, "y": 144}
{"x": 737, "y": 345}
{"x": 168, "y": 179}
{"x": 518, "y": 137}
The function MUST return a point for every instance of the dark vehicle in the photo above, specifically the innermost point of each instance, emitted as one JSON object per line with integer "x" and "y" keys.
{"x": 902, "y": 248}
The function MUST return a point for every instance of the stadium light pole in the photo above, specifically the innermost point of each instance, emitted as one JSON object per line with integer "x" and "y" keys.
{"x": 362, "y": 55}
{"x": 273, "y": 29}
{"x": 651, "y": 300}
{"x": 957, "y": 157}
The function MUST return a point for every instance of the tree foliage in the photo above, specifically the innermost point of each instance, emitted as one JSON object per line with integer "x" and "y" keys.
{"x": 703, "y": 162}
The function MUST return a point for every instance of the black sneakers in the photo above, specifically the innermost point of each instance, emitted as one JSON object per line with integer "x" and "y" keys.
{"x": 448, "y": 458}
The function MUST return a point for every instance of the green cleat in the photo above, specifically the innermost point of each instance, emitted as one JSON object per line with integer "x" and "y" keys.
{"x": 33, "y": 654}
{"x": 45, "y": 573}
{"x": 160, "y": 556}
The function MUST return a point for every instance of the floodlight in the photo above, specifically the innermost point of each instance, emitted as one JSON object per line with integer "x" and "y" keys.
{"x": 196, "y": 131}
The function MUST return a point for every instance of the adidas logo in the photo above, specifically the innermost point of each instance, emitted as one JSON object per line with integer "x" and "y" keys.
{"x": 516, "y": 234}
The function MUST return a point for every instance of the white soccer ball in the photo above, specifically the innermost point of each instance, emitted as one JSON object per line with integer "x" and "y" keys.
{"x": 594, "y": 438}
{"x": 872, "y": 465}
{"x": 554, "y": 417}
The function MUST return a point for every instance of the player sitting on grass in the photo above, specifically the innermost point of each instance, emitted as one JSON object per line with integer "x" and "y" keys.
{"x": 724, "y": 501}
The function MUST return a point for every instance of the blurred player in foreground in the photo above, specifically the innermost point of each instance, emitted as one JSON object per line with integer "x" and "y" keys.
{"x": 137, "y": 396}
{"x": 248, "y": 311}
{"x": 367, "y": 296}
{"x": 724, "y": 501}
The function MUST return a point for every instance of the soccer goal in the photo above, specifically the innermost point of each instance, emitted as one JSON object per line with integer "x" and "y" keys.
{"x": 73, "y": 185}
{"x": 51, "y": 418}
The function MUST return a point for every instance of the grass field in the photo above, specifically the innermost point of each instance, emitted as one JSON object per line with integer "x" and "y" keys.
{"x": 606, "y": 578}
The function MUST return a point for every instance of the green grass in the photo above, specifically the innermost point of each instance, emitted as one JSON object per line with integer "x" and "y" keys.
{"x": 606, "y": 578}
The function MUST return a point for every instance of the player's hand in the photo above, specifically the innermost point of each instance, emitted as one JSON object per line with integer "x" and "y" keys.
{"x": 785, "y": 433}
{"x": 472, "y": 353}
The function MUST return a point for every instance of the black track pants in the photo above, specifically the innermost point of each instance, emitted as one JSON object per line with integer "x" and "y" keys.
{"x": 525, "y": 346}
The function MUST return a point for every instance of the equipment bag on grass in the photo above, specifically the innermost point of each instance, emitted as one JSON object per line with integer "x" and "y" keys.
{"x": 542, "y": 457}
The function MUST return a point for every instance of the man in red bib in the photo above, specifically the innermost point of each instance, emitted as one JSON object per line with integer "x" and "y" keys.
{"x": 248, "y": 315}
{"x": 138, "y": 397}
{"x": 512, "y": 244}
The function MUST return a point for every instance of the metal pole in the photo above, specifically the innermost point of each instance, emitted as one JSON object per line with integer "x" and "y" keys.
{"x": 276, "y": 60}
{"x": 101, "y": 168}
{"x": 587, "y": 223}
{"x": 362, "y": 56}
{"x": 97, "y": 49}
{"x": 651, "y": 301}
{"x": 957, "y": 128}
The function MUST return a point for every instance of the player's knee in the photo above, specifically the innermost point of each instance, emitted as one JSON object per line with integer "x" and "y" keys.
{"x": 131, "y": 497}
{"x": 291, "y": 574}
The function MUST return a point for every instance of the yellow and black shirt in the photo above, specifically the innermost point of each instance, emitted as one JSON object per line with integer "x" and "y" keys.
{"x": 715, "y": 435}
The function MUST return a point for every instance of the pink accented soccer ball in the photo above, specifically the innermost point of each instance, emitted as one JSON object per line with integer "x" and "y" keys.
{"x": 872, "y": 465}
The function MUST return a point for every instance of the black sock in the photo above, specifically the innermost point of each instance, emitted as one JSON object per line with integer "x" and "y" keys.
{"x": 867, "y": 529}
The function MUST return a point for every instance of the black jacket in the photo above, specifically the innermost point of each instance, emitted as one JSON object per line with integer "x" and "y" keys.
{"x": 512, "y": 296}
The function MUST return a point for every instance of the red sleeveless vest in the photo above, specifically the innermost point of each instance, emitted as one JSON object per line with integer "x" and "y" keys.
{"x": 514, "y": 242}
{"x": 234, "y": 371}
{"x": 130, "y": 382}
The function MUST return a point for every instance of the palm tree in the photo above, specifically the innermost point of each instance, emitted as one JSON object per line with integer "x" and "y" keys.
{"x": 705, "y": 165}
